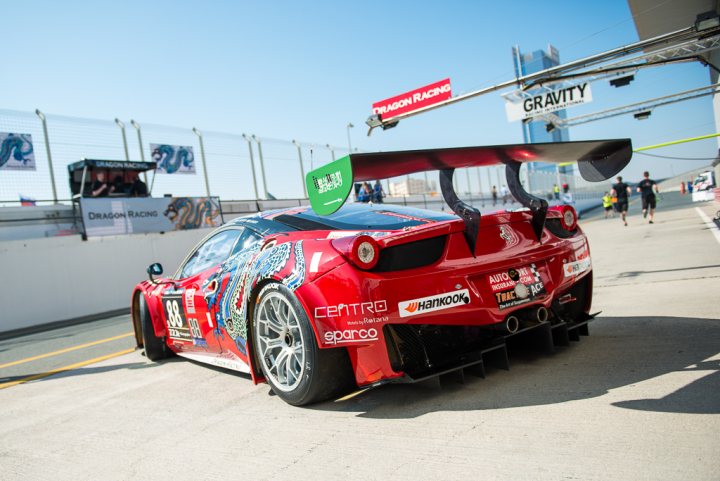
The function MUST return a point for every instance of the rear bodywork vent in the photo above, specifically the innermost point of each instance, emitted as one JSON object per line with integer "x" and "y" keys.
{"x": 411, "y": 255}
{"x": 555, "y": 226}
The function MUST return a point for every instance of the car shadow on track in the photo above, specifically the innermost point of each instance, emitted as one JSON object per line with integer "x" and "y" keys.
{"x": 82, "y": 371}
{"x": 620, "y": 352}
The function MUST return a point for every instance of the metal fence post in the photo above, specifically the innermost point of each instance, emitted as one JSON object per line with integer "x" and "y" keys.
{"x": 124, "y": 137}
{"x": 252, "y": 165}
{"x": 202, "y": 157}
{"x": 302, "y": 169}
{"x": 482, "y": 197}
{"x": 49, "y": 156}
{"x": 140, "y": 144}
{"x": 262, "y": 164}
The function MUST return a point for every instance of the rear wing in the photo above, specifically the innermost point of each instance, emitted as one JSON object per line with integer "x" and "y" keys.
{"x": 598, "y": 160}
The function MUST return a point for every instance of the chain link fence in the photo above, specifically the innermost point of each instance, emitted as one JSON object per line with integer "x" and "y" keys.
{"x": 230, "y": 166}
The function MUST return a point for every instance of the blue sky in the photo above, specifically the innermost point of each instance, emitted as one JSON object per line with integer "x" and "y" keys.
{"x": 303, "y": 70}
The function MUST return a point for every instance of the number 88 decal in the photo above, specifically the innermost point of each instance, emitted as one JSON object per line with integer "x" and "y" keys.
{"x": 194, "y": 328}
{"x": 172, "y": 306}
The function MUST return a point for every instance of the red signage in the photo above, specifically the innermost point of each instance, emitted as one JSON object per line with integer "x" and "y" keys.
{"x": 413, "y": 100}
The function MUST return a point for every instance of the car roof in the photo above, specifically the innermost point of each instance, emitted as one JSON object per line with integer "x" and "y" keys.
{"x": 351, "y": 216}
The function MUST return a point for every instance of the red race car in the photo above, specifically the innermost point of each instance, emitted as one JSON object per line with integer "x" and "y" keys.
{"x": 319, "y": 300}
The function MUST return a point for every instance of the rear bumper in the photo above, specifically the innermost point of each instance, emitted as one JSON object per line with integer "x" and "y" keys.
{"x": 376, "y": 317}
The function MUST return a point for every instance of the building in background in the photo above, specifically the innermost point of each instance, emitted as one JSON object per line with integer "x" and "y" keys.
{"x": 412, "y": 186}
{"x": 536, "y": 131}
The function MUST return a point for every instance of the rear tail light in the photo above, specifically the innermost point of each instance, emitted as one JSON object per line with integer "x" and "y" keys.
{"x": 569, "y": 218}
{"x": 363, "y": 250}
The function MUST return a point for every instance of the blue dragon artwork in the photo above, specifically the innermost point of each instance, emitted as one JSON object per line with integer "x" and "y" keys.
{"x": 243, "y": 272}
{"x": 193, "y": 213}
{"x": 171, "y": 158}
{"x": 18, "y": 147}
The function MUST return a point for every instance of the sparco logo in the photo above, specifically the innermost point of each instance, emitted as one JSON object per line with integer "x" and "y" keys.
{"x": 434, "y": 303}
{"x": 351, "y": 335}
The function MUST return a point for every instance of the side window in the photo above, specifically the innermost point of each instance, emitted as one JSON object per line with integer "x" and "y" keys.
{"x": 246, "y": 240}
{"x": 215, "y": 250}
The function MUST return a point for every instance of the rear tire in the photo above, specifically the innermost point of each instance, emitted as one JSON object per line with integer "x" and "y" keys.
{"x": 298, "y": 371}
{"x": 155, "y": 347}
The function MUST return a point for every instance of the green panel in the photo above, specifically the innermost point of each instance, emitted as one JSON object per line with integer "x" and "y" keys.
{"x": 328, "y": 186}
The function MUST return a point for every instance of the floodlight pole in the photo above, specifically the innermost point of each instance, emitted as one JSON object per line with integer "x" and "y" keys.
{"x": 49, "y": 156}
{"x": 252, "y": 165}
{"x": 262, "y": 164}
{"x": 302, "y": 169}
{"x": 139, "y": 135}
{"x": 349, "y": 126}
{"x": 124, "y": 137}
{"x": 332, "y": 152}
{"x": 202, "y": 157}
{"x": 140, "y": 144}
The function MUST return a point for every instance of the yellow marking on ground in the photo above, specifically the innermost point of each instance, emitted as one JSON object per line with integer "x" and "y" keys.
{"x": 344, "y": 398}
{"x": 68, "y": 349}
{"x": 66, "y": 368}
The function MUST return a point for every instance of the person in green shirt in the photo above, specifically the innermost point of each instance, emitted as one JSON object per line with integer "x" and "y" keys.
{"x": 608, "y": 205}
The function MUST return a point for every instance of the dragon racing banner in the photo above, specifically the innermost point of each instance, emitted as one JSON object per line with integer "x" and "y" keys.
{"x": 16, "y": 151}
{"x": 108, "y": 216}
{"x": 173, "y": 159}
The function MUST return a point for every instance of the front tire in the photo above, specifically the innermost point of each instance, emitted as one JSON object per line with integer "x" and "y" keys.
{"x": 298, "y": 371}
{"x": 155, "y": 347}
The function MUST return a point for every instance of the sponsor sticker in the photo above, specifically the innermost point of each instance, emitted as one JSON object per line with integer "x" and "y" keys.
{"x": 438, "y": 302}
{"x": 572, "y": 269}
{"x": 351, "y": 335}
{"x": 354, "y": 309}
{"x": 177, "y": 325}
{"x": 515, "y": 287}
{"x": 190, "y": 301}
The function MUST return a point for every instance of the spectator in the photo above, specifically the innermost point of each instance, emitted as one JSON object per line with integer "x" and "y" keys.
{"x": 621, "y": 190}
{"x": 100, "y": 188}
{"x": 378, "y": 194}
{"x": 364, "y": 193}
{"x": 494, "y": 195}
{"x": 118, "y": 186}
{"x": 505, "y": 194}
{"x": 648, "y": 188}
{"x": 138, "y": 187}
{"x": 556, "y": 192}
{"x": 608, "y": 205}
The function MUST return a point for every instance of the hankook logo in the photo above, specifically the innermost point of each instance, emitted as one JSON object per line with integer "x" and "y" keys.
{"x": 434, "y": 303}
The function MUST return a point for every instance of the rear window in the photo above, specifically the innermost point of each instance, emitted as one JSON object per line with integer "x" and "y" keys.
{"x": 364, "y": 217}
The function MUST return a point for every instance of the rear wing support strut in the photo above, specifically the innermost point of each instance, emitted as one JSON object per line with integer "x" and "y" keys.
{"x": 538, "y": 207}
{"x": 469, "y": 214}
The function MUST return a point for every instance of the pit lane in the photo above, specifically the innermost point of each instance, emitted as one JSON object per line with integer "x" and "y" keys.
{"x": 638, "y": 399}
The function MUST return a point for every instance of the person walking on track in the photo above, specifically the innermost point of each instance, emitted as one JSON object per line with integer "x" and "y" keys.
{"x": 608, "y": 205}
{"x": 621, "y": 190}
{"x": 648, "y": 188}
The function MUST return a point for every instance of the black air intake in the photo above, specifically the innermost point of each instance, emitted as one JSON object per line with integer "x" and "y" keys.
{"x": 411, "y": 255}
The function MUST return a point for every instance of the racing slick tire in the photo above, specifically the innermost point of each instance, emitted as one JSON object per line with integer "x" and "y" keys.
{"x": 155, "y": 347}
{"x": 298, "y": 371}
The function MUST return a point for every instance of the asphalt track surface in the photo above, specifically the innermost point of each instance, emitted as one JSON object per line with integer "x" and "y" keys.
{"x": 637, "y": 399}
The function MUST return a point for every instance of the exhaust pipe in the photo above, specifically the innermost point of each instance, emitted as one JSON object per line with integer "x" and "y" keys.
{"x": 512, "y": 324}
{"x": 541, "y": 314}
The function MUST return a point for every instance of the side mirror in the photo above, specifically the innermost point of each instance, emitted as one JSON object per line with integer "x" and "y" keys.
{"x": 154, "y": 270}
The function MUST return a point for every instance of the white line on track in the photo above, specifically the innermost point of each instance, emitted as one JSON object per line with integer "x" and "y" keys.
{"x": 709, "y": 223}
